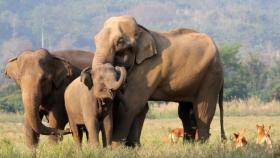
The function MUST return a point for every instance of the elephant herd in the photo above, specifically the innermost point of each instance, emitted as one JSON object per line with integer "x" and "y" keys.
{"x": 109, "y": 90}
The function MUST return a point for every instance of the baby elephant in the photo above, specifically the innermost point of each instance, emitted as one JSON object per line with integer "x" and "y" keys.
{"x": 85, "y": 109}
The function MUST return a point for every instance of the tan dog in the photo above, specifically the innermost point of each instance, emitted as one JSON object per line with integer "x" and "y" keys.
{"x": 239, "y": 139}
{"x": 263, "y": 135}
{"x": 175, "y": 134}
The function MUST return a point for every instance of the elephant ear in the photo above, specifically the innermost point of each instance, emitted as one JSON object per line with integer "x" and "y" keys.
{"x": 12, "y": 71}
{"x": 236, "y": 135}
{"x": 86, "y": 77}
{"x": 146, "y": 46}
{"x": 61, "y": 70}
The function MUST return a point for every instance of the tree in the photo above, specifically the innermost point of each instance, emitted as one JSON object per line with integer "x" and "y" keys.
{"x": 235, "y": 74}
{"x": 274, "y": 88}
{"x": 258, "y": 77}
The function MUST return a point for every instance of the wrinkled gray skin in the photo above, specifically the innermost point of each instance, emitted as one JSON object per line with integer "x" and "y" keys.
{"x": 180, "y": 65}
{"x": 83, "y": 108}
{"x": 42, "y": 78}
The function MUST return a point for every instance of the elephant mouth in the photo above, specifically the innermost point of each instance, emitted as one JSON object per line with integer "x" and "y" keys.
{"x": 111, "y": 94}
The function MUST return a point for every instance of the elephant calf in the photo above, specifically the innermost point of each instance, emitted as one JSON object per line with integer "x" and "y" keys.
{"x": 83, "y": 108}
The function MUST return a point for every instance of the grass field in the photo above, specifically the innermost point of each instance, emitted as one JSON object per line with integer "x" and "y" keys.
{"x": 153, "y": 139}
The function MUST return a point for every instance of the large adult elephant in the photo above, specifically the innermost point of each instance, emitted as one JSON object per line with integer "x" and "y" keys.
{"x": 180, "y": 65}
{"x": 42, "y": 78}
{"x": 80, "y": 59}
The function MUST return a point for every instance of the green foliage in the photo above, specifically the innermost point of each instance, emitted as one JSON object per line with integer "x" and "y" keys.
{"x": 250, "y": 78}
{"x": 235, "y": 74}
{"x": 10, "y": 99}
{"x": 274, "y": 87}
{"x": 258, "y": 77}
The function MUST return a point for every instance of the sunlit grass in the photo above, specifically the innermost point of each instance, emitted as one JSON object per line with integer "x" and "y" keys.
{"x": 237, "y": 107}
{"x": 154, "y": 141}
{"x": 238, "y": 114}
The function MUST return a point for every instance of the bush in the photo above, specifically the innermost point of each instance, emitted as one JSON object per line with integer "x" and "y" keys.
{"x": 10, "y": 99}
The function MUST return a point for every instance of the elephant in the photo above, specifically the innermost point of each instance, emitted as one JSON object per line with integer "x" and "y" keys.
{"x": 42, "y": 78}
{"x": 80, "y": 59}
{"x": 83, "y": 108}
{"x": 181, "y": 65}
{"x": 186, "y": 114}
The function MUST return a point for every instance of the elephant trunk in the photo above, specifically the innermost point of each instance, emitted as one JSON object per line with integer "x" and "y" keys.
{"x": 101, "y": 57}
{"x": 116, "y": 85}
{"x": 31, "y": 103}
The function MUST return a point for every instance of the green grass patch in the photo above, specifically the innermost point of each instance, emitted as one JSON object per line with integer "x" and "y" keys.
{"x": 153, "y": 141}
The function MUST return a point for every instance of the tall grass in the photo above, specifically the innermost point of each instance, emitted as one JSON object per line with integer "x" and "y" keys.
{"x": 11, "y": 117}
{"x": 251, "y": 106}
{"x": 237, "y": 107}
{"x": 153, "y": 140}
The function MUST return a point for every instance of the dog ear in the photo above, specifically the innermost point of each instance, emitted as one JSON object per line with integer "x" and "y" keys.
{"x": 235, "y": 135}
{"x": 169, "y": 129}
{"x": 242, "y": 132}
{"x": 269, "y": 127}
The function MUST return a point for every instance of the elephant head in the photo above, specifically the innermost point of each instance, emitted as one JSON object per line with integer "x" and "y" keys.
{"x": 11, "y": 70}
{"x": 37, "y": 74}
{"x": 105, "y": 80}
{"x": 122, "y": 38}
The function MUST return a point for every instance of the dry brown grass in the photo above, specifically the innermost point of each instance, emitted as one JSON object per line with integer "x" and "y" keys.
{"x": 12, "y": 141}
{"x": 155, "y": 131}
{"x": 237, "y": 107}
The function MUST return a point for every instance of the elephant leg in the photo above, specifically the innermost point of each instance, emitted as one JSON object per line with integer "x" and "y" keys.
{"x": 135, "y": 102}
{"x": 108, "y": 128}
{"x": 57, "y": 119}
{"x": 93, "y": 129}
{"x": 188, "y": 120}
{"x": 205, "y": 105}
{"x": 136, "y": 129}
{"x": 122, "y": 130}
{"x": 77, "y": 133}
{"x": 32, "y": 138}
{"x": 103, "y": 136}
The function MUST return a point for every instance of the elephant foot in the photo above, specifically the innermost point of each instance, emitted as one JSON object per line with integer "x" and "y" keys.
{"x": 223, "y": 139}
{"x": 116, "y": 144}
{"x": 132, "y": 144}
{"x": 204, "y": 139}
{"x": 32, "y": 145}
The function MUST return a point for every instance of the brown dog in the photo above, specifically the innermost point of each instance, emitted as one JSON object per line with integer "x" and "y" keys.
{"x": 176, "y": 133}
{"x": 263, "y": 135}
{"x": 239, "y": 139}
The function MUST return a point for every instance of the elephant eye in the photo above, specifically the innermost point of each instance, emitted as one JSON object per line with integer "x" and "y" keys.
{"x": 136, "y": 35}
{"x": 103, "y": 89}
{"x": 120, "y": 41}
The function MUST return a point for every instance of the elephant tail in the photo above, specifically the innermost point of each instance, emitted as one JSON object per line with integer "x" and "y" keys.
{"x": 221, "y": 107}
